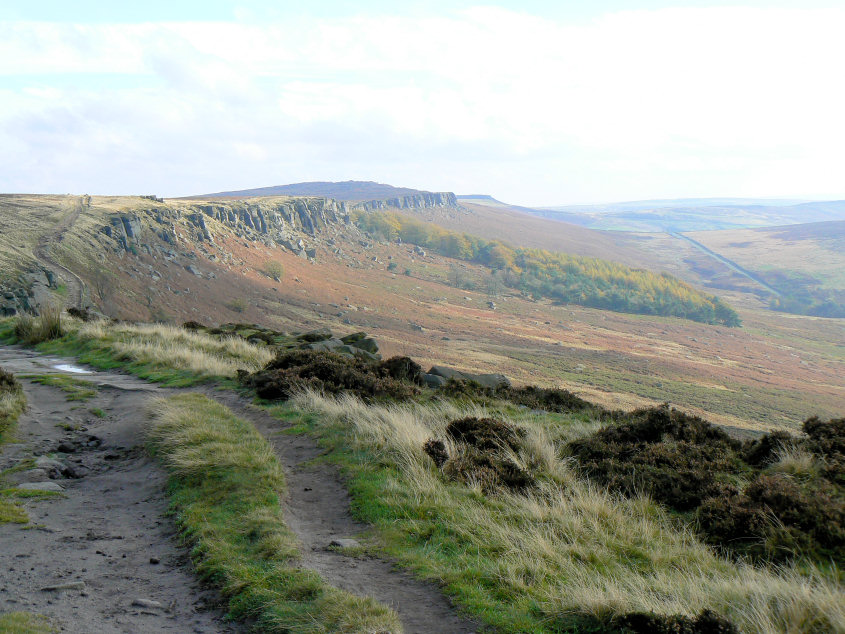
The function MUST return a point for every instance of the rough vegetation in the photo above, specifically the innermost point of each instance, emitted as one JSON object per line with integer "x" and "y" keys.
{"x": 332, "y": 373}
{"x": 484, "y": 454}
{"x": 560, "y": 276}
{"x": 539, "y": 398}
{"x": 12, "y": 401}
{"x": 46, "y": 327}
{"x": 679, "y": 460}
{"x": 561, "y": 555}
{"x": 708, "y": 622}
{"x": 749, "y": 498}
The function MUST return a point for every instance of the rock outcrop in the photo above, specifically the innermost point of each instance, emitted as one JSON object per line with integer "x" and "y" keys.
{"x": 423, "y": 200}
{"x": 280, "y": 221}
{"x": 30, "y": 291}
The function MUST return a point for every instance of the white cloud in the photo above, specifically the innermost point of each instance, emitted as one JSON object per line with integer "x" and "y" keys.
{"x": 634, "y": 104}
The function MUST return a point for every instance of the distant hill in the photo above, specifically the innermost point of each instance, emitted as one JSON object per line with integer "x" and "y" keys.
{"x": 346, "y": 190}
{"x": 694, "y": 214}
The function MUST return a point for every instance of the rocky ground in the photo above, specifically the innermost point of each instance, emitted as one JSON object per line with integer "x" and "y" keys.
{"x": 102, "y": 557}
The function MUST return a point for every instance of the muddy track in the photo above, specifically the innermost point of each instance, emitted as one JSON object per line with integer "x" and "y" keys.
{"x": 112, "y": 523}
{"x": 75, "y": 284}
{"x": 105, "y": 556}
{"x": 317, "y": 510}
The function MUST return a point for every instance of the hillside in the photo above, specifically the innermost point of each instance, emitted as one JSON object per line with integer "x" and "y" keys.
{"x": 776, "y": 370}
{"x": 804, "y": 264}
{"x": 346, "y": 190}
{"x": 499, "y": 221}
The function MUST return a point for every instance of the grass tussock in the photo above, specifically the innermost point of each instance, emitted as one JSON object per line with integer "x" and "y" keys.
{"x": 12, "y": 405}
{"x": 563, "y": 555}
{"x": 225, "y": 484}
{"x": 157, "y": 352}
{"x": 12, "y": 402}
{"x": 46, "y": 327}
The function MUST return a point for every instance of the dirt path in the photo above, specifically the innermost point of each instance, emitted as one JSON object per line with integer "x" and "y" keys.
{"x": 108, "y": 540}
{"x": 75, "y": 284}
{"x": 317, "y": 510}
{"x": 112, "y": 523}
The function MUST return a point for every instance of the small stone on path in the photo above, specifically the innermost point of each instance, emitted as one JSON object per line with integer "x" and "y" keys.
{"x": 40, "y": 486}
{"x": 71, "y": 585}
{"x": 344, "y": 543}
{"x": 147, "y": 603}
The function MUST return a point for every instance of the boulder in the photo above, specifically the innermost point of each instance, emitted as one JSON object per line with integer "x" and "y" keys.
{"x": 433, "y": 380}
{"x": 320, "y": 334}
{"x": 368, "y": 344}
{"x": 491, "y": 381}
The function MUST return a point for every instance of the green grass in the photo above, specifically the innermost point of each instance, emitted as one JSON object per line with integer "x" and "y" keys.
{"x": 24, "y": 623}
{"x": 557, "y": 558}
{"x": 225, "y": 485}
{"x": 12, "y": 405}
{"x": 99, "y": 413}
{"x": 74, "y": 389}
{"x": 162, "y": 354}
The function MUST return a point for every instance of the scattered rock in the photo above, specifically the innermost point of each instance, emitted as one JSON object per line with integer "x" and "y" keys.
{"x": 70, "y": 585}
{"x": 40, "y": 486}
{"x": 343, "y": 542}
{"x": 30, "y": 475}
{"x": 147, "y": 603}
{"x": 433, "y": 380}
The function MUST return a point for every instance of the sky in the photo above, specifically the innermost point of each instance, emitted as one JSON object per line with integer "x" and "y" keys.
{"x": 532, "y": 102}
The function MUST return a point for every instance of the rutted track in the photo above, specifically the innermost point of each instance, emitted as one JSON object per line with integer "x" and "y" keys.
{"x": 113, "y": 521}
{"x": 76, "y": 286}
{"x": 317, "y": 510}
{"x": 103, "y": 557}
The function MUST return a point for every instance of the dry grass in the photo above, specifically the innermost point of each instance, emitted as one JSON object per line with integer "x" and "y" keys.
{"x": 570, "y": 547}
{"x": 796, "y": 462}
{"x": 225, "y": 487}
{"x": 176, "y": 348}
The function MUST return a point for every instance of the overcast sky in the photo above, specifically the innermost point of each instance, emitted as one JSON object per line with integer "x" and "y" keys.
{"x": 532, "y": 102}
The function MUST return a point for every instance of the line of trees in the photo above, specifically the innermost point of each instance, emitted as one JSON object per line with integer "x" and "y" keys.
{"x": 560, "y": 276}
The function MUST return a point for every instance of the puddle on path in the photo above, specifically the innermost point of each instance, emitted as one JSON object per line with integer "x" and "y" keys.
{"x": 67, "y": 367}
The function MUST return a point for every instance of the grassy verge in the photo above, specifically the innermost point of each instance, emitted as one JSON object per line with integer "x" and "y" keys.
{"x": 560, "y": 556}
{"x": 12, "y": 405}
{"x": 24, "y": 623}
{"x": 165, "y": 354}
{"x": 74, "y": 389}
{"x": 225, "y": 484}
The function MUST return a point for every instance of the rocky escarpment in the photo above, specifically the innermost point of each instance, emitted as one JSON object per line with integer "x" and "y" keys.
{"x": 273, "y": 222}
{"x": 423, "y": 200}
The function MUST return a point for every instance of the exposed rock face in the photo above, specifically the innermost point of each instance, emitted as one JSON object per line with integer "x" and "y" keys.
{"x": 279, "y": 221}
{"x": 28, "y": 293}
{"x": 423, "y": 200}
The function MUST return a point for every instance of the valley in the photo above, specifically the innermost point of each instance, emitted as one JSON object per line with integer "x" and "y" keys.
{"x": 776, "y": 370}
{"x": 309, "y": 451}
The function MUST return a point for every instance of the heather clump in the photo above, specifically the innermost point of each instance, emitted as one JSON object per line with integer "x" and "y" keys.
{"x": 298, "y": 370}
